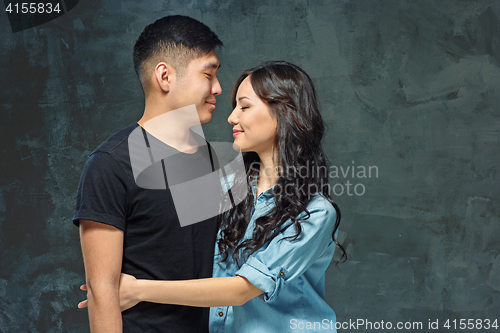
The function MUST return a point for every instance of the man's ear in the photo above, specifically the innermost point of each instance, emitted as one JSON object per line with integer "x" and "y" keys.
{"x": 164, "y": 76}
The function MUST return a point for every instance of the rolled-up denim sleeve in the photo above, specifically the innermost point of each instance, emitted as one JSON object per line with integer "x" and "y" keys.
{"x": 280, "y": 260}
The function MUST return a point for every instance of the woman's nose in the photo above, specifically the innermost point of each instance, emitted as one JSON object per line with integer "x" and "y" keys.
{"x": 233, "y": 117}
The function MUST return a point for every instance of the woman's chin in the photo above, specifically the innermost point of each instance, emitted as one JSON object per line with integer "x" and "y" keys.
{"x": 236, "y": 148}
{"x": 241, "y": 149}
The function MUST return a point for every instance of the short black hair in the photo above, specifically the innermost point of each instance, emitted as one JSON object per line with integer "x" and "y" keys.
{"x": 175, "y": 39}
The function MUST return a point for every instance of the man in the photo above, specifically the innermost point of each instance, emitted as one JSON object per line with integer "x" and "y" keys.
{"x": 135, "y": 230}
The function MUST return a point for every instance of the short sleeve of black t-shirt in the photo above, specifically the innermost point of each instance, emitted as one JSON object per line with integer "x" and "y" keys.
{"x": 102, "y": 192}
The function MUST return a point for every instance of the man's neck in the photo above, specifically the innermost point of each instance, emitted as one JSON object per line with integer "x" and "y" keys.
{"x": 172, "y": 127}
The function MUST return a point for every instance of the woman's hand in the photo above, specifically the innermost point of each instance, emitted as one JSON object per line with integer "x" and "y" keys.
{"x": 129, "y": 292}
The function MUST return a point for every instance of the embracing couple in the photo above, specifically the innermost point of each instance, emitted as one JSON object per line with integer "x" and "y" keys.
{"x": 258, "y": 267}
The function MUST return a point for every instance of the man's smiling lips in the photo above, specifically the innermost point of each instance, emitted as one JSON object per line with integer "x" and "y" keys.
{"x": 237, "y": 132}
{"x": 212, "y": 104}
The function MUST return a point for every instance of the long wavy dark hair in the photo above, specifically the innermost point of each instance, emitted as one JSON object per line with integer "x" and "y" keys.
{"x": 301, "y": 163}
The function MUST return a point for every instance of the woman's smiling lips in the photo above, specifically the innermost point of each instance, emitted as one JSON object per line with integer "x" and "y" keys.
{"x": 237, "y": 132}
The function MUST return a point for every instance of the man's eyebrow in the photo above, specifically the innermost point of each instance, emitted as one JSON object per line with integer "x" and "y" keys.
{"x": 211, "y": 65}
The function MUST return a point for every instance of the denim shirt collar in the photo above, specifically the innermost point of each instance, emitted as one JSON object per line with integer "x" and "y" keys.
{"x": 267, "y": 195}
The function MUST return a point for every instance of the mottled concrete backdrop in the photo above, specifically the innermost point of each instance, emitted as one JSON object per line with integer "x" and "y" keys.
{"x": 411, "y": 88}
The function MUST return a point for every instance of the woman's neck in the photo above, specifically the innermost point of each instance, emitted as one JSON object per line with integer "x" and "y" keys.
{"x": 268, "y": 173}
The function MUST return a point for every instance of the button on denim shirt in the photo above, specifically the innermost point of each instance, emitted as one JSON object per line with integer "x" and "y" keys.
{"x": 290, "y": 273}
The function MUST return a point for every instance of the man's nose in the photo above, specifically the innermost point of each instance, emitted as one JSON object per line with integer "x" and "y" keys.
{"x": 216, "y": 88}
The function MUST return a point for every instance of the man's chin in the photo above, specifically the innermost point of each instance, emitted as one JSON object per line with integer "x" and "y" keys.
{"x": 205, "y": 119}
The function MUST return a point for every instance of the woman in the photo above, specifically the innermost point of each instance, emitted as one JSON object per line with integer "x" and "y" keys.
{"x": 273, "y": 248}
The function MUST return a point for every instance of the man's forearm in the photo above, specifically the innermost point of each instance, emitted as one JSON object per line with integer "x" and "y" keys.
{"x": 104, "y": 311}
{"x": 102, "y": 247}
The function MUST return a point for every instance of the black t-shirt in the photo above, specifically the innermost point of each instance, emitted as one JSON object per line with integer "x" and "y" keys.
{"x": 155, "y": 245}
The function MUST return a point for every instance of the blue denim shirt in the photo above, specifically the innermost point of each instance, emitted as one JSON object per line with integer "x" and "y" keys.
{"x": 291, "y": 274}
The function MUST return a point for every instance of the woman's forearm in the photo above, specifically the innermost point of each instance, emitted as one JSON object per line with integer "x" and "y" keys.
{"x": 211, "y": 292}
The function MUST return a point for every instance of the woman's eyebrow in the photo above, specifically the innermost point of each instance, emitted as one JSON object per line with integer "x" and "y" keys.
{"x": 243, "y": 97}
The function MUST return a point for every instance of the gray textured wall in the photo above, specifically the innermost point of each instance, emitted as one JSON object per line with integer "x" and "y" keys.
{"x": 411, "y": 87}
